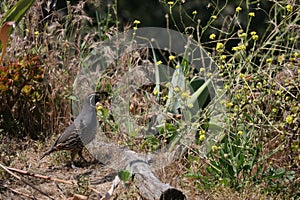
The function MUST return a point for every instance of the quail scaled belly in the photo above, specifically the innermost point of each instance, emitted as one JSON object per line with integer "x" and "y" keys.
{"x": 81, "y": 132}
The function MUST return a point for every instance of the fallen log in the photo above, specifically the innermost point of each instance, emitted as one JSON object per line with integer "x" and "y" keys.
{"x": 148, "y": 185}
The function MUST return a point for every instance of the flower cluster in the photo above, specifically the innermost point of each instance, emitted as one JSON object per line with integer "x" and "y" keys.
{"x": 202, "y": 135}
{"x": 254, "y": 36}
{"x": 219, "y": 46}
{"x": 239, "y": 47}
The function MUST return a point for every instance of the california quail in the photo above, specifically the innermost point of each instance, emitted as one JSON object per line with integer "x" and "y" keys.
{"x": 80, "y": 132}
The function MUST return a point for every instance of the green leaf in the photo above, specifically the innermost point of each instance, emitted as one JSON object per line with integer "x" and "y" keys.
{"x": 185, "y": 60}
{"x": 17, "y": 11}
{"x": 204, "y": 95}
{"x": 124, "y": 175}
{"x": 278, "y": 173}
{"x": 14, "y": 14}
{"x": 178, "y": 82}
{"x": 196, "y": 95}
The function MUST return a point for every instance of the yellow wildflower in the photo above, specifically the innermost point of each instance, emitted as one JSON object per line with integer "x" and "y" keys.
{"x": 221, "y": 67}
{"x": 278, "y": 93}
{"x": 289, "y": 8}
{"x": 172, "y": 57}
{"x": 229, "y": 104}
{"x": 185, "y": 95}
{"x": 176, "y": 89}
{"x": 269, "y": 60}
{"x": 289, "y": 119}
{"x": 259, "y": 85}
{"x": 242, "y": 47}
{"x": 136, "y": 21}
{"x": 219, "y": 46}
{"x": 212, "y": 36}
{"x": 223, "y": 57}
{"x": 235, "y": 48}
{"x": 159, "y": 62}
{"x": 242, "y": 35}
{"x": 202, "y": 138}
{"x": 236, "y": 108}
{"x": 209, "y": 74}
{"x": 238, "y": 9}
{"x": 190, "y": 105}
{"x": 215, "y": 148}
{"x": 99, "y": 107}
{"x": 254, "y": 37}
{"x": 251, "y": 14}
{"x": 202, "y": 132}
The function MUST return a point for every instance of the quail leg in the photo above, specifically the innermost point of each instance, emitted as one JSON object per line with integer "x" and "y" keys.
{"x": 81, "y": 156}
{"x": 73, "y": 154}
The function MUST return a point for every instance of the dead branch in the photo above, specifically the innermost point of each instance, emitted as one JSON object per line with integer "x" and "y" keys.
{"x": 41, "y": 176}
{"x": 24, "y": 181}
{"x": 49, "y": 178}
{"x": 19, "y": 193}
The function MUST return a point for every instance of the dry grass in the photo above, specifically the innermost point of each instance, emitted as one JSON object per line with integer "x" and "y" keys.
{"x": 58, "y": 43}
{"x": 26, "y": 156}
{"x": 54, "y": 166}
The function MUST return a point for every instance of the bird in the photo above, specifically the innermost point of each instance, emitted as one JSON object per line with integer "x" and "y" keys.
{"x": 81, "y": 132}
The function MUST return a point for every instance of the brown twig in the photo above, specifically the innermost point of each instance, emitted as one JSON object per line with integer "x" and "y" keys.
{"x": 48, "y": 178}
{"x": 41, "y": 176}
{"x": 20, "y": 193}
{"x": 24, "y": 181}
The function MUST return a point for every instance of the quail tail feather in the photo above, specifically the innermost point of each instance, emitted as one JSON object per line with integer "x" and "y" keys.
{"x": 51, "y": 150}
{"x": 69, "y": 140}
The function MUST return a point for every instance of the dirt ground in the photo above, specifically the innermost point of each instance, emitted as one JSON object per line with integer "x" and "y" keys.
{"x": 87, "y": 177}
{"x": 91, "y": 180}
{"x": 55, "y": 166}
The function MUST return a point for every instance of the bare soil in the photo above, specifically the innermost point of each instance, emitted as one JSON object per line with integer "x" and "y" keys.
{"x": 88, "y": 177}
